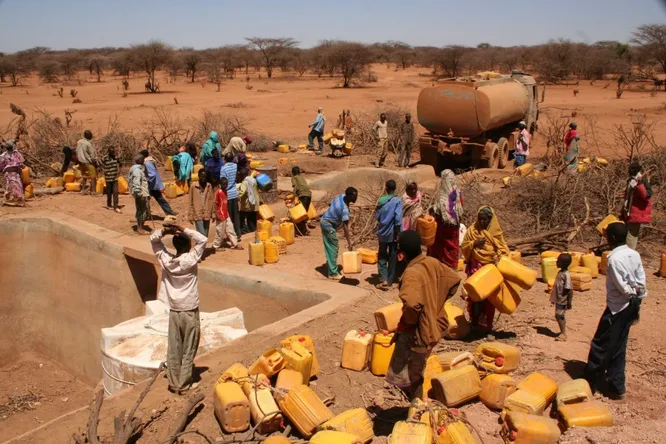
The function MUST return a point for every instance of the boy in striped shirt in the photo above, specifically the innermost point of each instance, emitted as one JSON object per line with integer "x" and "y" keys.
{"x": 111, "y": 165}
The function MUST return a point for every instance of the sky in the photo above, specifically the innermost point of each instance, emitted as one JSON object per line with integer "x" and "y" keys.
{"x": 62, "y": 24}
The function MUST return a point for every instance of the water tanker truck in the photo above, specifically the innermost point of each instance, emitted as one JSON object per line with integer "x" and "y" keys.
{"x": 474, "y": 123}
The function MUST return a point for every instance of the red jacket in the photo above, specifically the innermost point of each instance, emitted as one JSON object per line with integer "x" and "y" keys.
{"x": 641, "y": 206}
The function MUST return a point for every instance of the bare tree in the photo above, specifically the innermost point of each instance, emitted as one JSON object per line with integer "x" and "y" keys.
{"x": 554, "y": 60}
{"x": 70, "y": 64}
{"x": 122, "y": 64}
{"x": 150, "y": 58}
{"x": 652, "y": 41}
{"x": 270, "y": 50}
{"x": 450, "y": 59}
{"x": 215, "y": 74}
{"x": 48, "y": 71}
{"x": 192, "y": 61}
{"x": 351, "y": 59}
{"x": 3, "y": 68}
{"x": 14, "y": 69}
{"x": 97, "y": 63}
{"x": 400, "y": 53}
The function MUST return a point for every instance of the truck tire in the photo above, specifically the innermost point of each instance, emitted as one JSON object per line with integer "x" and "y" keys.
{"x": 493, "y": 159}
{"x": 503, "y": 147}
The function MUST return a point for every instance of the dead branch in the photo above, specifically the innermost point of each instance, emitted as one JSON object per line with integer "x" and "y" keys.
{"x": 578, "y": 227}
{"x": 125, "y": 426}
{"x": 538, "y": 237}
{"x": 182, "y": 421}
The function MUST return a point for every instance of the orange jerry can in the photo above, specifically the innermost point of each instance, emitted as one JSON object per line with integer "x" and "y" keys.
{"x": 298, "y": 358}
{"x": 495, "y": 389}
{"x": 533, "y": 394}
{"x": 539, "y": 383}
{"x": 604, "y": 263}
{"x": 269, "y": 364}
{"x": 277, "y": 439}
{"x": 333, "y": 437}
{"x": 356, "y": 350}
{"x": 426, "y": 226}
{"x": 305, "y": 410}
{"x": 236, "y": 373}
{"x": 506, "y": 298}
{"x": 458, "y": 327}
{"x": 497, "y": 357}
{"x": 407, "y": 432}
{"x": 585, "y": 414}
{"x": 454, "y": 433}
{"x": 354, "y": 421}
{"x": 516, "y": 272}
{"x": 307, "y": 342}
{"x": 573, "y": 392}
{"x": 432, "y": 368}
{"x": 520, "y": 428}
{"x": 451, "y": 360}
{"x": 232, "y": 408}
{"x": 419, "y": 412}
{"x": 387, "y": 318}
{"x": 288, "y": 379}
{"x": 264, "y": 411}
{"x": 382, "y": 352}
{"x": 483, "y": 283}
{"x": 457, "y": 386}
{"x": 662, "y": 266}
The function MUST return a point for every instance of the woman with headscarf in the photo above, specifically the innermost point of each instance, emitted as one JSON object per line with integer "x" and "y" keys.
{"x": 183, "y": 163}
{"x": 483, "y": 244}
{"x": 637, "y": 206}
{"x": 243, "y": 167}
{"x": 249, "y": 200}
{"x": 412, "y": 207}
{"x": 11, "y": 162}
{"x": 447, "y": 210}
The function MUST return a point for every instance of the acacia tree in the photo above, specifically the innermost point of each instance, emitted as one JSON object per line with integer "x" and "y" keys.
{"x": 14, "y": 69}
{"x": 149, "y": 58}
{"x": 271, "y": 49}
{"x": 48, "y": 71}
{"x": 351, "y": 59}
{"x": 96, "y": 64}
{"x": 122, "y": 64}
{"x": 652, "y": 42}
{"x": 192, "y": 60}
{"x": 450, "y": 59}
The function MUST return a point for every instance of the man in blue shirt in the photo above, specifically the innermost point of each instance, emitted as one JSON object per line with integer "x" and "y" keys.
{"x": 317, "y": 130}
{"x": 229, "y": 171}
{"x": 335, "y": 217}
{"x": 389, "y": 223}
{"x": 155, "y": 185}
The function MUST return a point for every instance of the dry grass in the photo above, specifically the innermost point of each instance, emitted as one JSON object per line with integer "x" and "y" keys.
{"x": 21, "y": 402}
{"x": 362, "y": 135}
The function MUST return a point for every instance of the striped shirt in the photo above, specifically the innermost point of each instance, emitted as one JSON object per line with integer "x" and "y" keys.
{"x": 229, "y": 171}
{"x": 111, "y": 168}
{"x": 337, "y": 213}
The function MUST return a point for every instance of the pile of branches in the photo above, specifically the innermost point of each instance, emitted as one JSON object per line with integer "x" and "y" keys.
{"x": 42, "y": 135}
{"x": 362, "y": 135}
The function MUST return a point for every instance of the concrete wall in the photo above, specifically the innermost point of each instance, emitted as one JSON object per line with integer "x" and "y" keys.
{"x": 61, "y": 286}
{"x": 65, "y": 279}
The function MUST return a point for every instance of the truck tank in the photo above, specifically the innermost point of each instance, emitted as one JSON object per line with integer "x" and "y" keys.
{"x": 468, "y": 109}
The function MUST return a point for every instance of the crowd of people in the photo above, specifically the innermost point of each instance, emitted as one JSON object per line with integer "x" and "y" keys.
{"x": 226, "y": 193}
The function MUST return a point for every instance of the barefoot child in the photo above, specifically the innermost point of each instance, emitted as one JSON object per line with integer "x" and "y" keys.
{"x": 562, "y": 293}
{"x": 224, "y": 230}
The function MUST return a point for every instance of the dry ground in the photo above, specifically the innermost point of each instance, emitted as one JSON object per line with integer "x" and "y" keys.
{"x": 284, "y": 108}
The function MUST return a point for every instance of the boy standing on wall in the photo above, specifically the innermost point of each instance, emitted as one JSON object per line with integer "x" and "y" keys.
{"x": 224, "y": 229}
{"x": 562, "y": 293}
{"x": 111, "y": 165}
{"x": 179, "y": 290}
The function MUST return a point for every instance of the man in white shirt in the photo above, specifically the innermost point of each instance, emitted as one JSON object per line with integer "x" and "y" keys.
{"x": 179, "y": 290}
{"x": 380, "y": 130}
{"x": 625, "y": 289}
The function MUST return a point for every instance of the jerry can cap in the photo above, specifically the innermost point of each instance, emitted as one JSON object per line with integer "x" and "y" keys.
{"x": 385, "y": 332}
{"x": 301, "y": 339}
{"x": 362, "y": 333}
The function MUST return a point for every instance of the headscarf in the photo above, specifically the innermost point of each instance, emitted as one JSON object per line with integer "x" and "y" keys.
{"x": 411, "y": 210}
{"x": 448, "y": 203}
{"x": 495, "y": 245}
{"x": 632, "y": 184}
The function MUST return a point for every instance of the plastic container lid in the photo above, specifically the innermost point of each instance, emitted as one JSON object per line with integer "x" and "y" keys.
{"x": 362, "y": 333}
{"x": 301, "y": 339}
{"x": 499, "y": 361}
{"x": 385, "y": 332}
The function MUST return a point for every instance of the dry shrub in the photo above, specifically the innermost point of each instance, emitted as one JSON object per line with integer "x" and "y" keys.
{"x": 125, "y": 142}
{"x": 363, "y": 137}
{"x": 47, "y": 135}
{"x": 227, "y": 126}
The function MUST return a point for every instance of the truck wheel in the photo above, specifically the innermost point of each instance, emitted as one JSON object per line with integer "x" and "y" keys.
{"x": 493, "y": 159}
{"x": 503, "y": 147}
